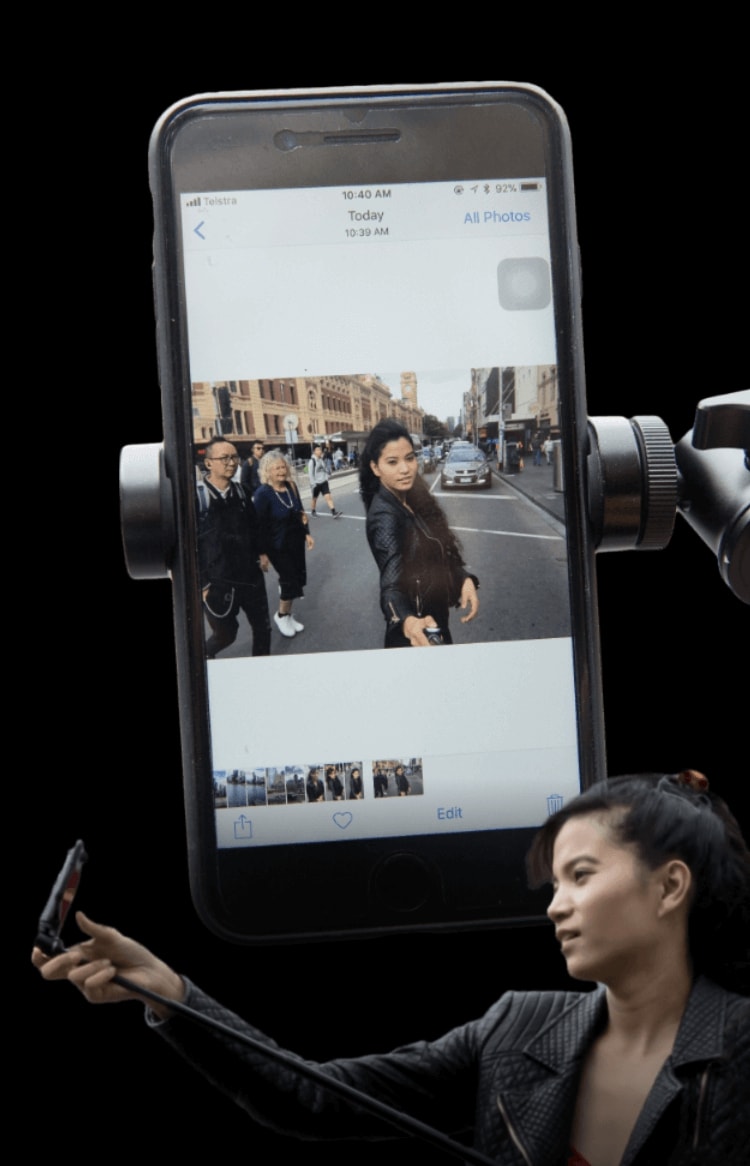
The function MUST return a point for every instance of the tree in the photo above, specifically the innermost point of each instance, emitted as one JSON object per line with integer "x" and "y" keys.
{"x": 433, "y": 428}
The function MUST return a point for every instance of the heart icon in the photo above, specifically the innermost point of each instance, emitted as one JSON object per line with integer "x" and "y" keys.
{"x": 343, "y": 820}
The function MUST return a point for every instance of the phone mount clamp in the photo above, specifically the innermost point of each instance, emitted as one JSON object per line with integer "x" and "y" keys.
{"x": 147, "y": 518}
{"x": 636, "y": 482}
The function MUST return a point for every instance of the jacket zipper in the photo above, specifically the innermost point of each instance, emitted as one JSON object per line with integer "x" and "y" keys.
{"x": 424, "y": 529}
{"x": 703, "y": 1089}
{"x": 513, "y": 1135}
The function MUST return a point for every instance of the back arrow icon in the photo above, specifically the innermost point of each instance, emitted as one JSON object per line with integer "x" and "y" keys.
{"x": 197, "y": 230}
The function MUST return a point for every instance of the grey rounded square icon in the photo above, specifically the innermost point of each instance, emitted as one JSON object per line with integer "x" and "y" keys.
{"x": 523, "y": 284}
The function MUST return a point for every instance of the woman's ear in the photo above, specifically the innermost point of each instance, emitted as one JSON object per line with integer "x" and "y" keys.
{"x": 676, "y": 881}
{"x": 374, "y": 468}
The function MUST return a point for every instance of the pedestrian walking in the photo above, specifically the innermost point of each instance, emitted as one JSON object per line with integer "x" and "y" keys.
{"x": 317, "y": 472}
{"x": 285, "y": 535}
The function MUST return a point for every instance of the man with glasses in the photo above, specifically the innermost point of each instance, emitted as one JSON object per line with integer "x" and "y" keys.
{"x": 231, "y": 560}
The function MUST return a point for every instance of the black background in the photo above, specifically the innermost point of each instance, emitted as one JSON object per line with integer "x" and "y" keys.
{"x": 663, "y": 231}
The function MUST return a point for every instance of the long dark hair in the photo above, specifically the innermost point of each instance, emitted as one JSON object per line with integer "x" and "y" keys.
{"x": 666, "y": 816}
{"x": 418, "y": 498}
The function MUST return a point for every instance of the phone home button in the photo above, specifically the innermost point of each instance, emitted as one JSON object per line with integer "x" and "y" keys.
{"x": 403, "y": 882}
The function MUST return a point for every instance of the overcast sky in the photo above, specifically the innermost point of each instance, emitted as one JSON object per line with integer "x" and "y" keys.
{"x": 439, "y": 393}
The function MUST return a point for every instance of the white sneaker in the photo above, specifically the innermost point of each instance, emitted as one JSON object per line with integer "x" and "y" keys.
{"x": 284, "y": 624}
{"x": 298, "y": 627}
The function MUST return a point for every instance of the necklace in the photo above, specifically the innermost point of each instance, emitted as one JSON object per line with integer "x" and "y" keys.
{"x": 290, "y": 503}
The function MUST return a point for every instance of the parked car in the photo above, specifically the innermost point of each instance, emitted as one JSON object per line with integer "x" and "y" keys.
{"x": 465, "y": 465}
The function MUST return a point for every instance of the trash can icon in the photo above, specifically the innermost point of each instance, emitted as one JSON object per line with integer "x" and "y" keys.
{"x": 554, "y": 803}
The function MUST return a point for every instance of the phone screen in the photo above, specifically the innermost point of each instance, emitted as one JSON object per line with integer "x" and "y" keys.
{"x": 312, "y": 309}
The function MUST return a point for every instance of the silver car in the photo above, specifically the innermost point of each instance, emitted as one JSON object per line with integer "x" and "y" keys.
{"x": 465, "y": 465}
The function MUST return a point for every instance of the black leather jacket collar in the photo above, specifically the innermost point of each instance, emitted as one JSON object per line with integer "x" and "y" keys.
{"x": 536, "y": 1105}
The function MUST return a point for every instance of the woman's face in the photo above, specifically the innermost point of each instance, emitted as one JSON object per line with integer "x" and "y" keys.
{"x": 397, "y": 466}
{"x": 605, "y": 905}
{"x": 277, "y": 473}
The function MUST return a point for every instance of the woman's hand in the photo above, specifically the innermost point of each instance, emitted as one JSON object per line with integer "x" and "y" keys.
{"x": 469, "y": 600}
{"x": 309, "y": 542}
{"x": 93, "y": 964}
{"x": 413, "y": 630}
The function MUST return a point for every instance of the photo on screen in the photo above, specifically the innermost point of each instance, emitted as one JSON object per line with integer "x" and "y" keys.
{"x": 487, "y": 448}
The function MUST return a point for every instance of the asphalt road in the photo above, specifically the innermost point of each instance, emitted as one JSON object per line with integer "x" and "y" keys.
{"x": 516, "y": 549}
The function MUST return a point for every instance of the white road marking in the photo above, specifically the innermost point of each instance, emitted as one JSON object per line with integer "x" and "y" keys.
{"x": 507, "y": 533}
{"x": 484, "y": 497}
{"x": 476, "y": 530}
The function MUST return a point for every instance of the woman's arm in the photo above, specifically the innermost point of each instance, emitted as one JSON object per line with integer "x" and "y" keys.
{"x": 305, "y": 523}
{"x": 469, "y": 601}
{"x": 436, "y": 1082}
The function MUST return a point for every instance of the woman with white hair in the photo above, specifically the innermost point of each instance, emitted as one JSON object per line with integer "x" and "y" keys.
{"x": 285, "y": 534}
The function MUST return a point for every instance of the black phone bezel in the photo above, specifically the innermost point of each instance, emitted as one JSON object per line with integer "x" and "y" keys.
{"x": 223, "y": 881}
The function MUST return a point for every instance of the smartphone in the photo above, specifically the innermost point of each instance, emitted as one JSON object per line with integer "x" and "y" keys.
{"x": 325, "y": 261}
{"x": 60, "y": 900}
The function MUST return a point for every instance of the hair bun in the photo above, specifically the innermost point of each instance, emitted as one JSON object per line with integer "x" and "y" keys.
{"x": 694, "y": 780}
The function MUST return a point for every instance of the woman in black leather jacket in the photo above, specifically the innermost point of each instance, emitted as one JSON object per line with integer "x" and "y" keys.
{"x": 422, "y": 573}
{"x": 651, "y": 897}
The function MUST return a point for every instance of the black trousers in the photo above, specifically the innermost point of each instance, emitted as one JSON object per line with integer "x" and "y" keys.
{"x": 247, "y": 597}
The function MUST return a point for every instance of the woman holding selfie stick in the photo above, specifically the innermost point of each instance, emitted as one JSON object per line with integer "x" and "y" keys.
{"x": 651, "y": 899}
{"x": 422, "y": 573}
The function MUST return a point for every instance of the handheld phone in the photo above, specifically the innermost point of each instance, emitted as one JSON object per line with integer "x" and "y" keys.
{"x": 55, "y": 912}
{"x": 326, "y": 262}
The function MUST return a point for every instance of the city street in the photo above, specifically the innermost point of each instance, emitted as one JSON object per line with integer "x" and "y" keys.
{"x": 515, "y": 547}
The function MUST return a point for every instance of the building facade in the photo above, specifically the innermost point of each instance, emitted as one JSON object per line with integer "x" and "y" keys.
{"x": 299, "y": 410}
